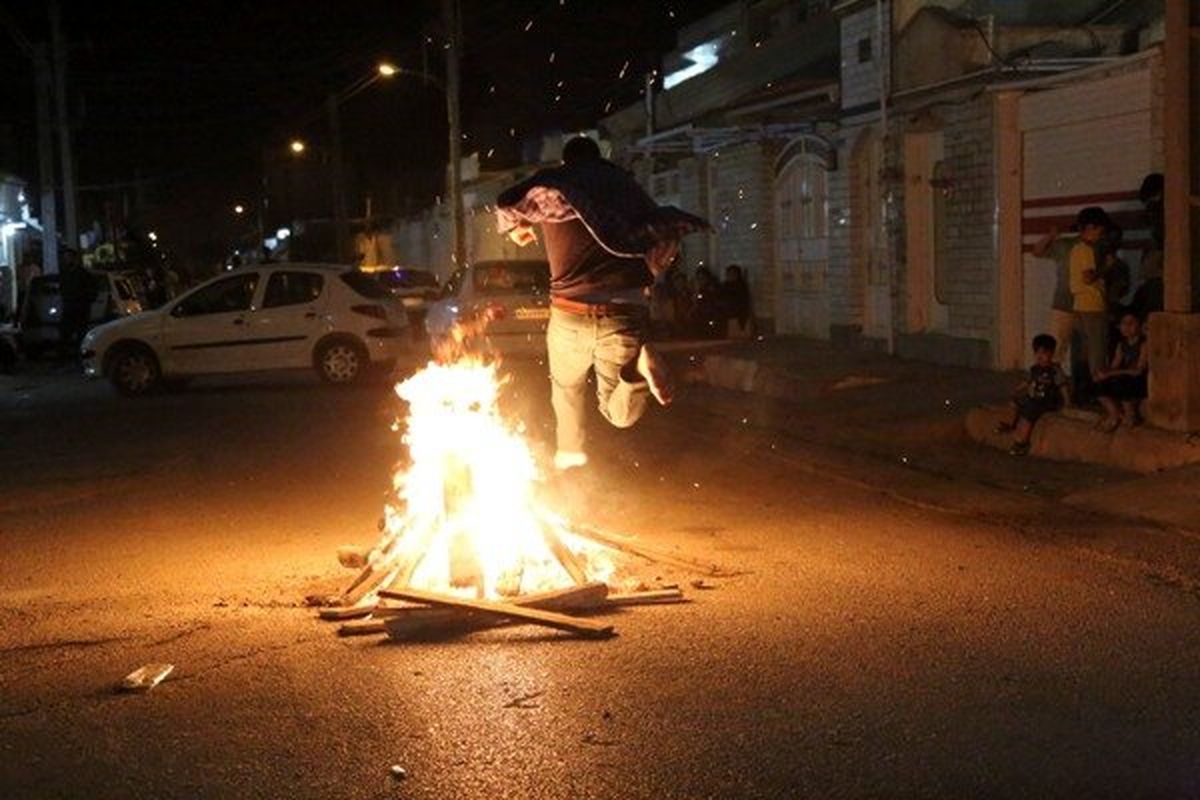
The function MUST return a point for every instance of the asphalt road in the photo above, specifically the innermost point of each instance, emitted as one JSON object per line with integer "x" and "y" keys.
{"x": 874, "y": 647}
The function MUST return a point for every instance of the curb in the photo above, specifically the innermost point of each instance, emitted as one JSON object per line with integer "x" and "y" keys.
{"x": 1063, "y": 438}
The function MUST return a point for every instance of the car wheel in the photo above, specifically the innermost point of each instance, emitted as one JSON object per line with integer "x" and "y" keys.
{"x": 341, "y": 362}
{"x": 133, "y": 371}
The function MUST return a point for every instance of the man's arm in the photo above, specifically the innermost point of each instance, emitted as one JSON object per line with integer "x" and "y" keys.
{"x": 1042, "y": 248}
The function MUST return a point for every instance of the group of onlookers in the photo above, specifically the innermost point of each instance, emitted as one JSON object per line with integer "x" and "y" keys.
{"x": 701, "y": 306}
{"x": 1099, "y": 327}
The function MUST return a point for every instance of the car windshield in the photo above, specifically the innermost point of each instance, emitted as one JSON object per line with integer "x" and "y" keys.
{"x": 364, "y": 285}
{"x": 511, "y": 277}
{"x": 408, "y": 279}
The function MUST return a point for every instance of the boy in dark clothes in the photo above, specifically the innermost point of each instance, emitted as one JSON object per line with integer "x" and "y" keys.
{"x": 1123, "y": 384}
{"x": 1043, "y": 391}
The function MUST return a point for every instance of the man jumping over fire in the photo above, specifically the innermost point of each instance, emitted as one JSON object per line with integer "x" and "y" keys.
{"x": 606, "y": 241}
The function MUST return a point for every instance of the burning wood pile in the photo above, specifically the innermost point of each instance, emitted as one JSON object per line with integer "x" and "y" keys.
{"x": 465, "y": 545}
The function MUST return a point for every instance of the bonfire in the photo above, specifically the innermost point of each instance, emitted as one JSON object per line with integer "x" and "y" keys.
{"x": 465, "y": 543}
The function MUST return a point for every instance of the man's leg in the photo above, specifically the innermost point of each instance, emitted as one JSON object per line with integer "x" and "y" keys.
{"x": 621, "y": 389}
{"x": 1095, "y": 331}
{"x": 570, "y": 340}
{"x": 1064, "y": 328}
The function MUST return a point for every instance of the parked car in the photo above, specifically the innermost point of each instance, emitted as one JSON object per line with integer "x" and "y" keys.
{"x": 514, "y": 294}
{"x": 111, "y": 295}
{"x": 416, "y": 288}
{"x": 334, "y": 319}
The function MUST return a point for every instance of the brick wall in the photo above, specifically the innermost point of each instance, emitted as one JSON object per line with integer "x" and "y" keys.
{"x": 966, "y": 264}
{"x": 860, "y": 79}
{"x": 741, "y": 204}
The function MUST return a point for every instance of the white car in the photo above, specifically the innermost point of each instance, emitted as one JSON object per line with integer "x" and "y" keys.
{"x": 334, "y": 319}
{"x": 515, "y": 295}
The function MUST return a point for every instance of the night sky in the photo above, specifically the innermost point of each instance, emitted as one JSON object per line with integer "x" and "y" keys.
{"x": 174, "y": 103}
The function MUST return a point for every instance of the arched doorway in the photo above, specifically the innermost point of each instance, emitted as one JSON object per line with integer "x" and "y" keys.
{"x": 802, "y": 238}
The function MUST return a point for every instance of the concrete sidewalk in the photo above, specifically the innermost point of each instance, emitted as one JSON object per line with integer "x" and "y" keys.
{"x": 938, "y": 421}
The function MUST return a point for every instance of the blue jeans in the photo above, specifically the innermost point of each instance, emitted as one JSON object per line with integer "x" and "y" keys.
{"x": 577, "y": 343}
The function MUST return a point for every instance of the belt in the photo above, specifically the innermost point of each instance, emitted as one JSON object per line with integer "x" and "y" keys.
{"x": 598, "y": 309}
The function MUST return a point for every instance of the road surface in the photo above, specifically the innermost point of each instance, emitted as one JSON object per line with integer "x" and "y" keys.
{"x": 876, "y": 645}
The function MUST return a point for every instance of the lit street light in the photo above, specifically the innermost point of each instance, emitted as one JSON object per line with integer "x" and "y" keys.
{"x": 297, "y": 146}
{"x": 387, "y": 70}
{"x": 239, "y": 209}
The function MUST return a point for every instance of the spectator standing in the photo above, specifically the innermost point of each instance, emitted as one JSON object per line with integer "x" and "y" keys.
{"x": 1122, "y": 385}
{"x": 735, "y": 299}
{"x": 681, "y": 299}
{"x": 707, "y": 318}
{"x": 1089, "y": 304}
{"x": 1056, "y": 246}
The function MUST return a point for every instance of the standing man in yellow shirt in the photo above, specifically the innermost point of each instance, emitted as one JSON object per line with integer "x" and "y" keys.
{"x": 1088, "y": 304}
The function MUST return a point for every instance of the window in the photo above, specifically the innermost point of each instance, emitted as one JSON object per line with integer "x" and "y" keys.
{"x": 223, "y": 297}
{"x": 408, "y": 279}
{"x": 364, "y": 285}
{"x": 511, "y": 277}
{"x": 864, "y": 50}
{"x": 292, "y": 288}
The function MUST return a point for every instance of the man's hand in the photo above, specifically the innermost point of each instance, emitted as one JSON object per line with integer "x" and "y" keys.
{"x": 661, "y": 256}
{"x": 522, "y": 235}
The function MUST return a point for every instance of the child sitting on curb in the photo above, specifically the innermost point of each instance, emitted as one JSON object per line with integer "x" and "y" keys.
{"x": 1044, "y": 390}
{"x": 1122, "y": 385}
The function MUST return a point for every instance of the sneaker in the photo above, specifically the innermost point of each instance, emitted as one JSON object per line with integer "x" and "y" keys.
{"x": 1019, "y": 449}
{"x": 565, "y": 459}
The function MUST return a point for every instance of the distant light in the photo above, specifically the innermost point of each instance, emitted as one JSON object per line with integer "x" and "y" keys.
{"x": 239, "y": 209}
{"x": 282, "y": 234}
{"x": 296, "y": 146}
{"x": 387, "y": 70}
{"x": 153, "y": 236}
{"x": 271, "y": 242}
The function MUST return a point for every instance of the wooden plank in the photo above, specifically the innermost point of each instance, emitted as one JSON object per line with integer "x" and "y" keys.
{"x": 336, "y": 613}
{"x": 362, "y": 627}
{"x": 563, "y": 553}
{"x": 652, "y": 597}
{"x": 415, "y": 621}
{"x": 489, "y": 608}
{"x": 649, "y": 553}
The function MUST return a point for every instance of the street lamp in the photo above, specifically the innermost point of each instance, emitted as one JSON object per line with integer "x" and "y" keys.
{"x": 297, "y": 146}
{"x": 386, "y": 70}
{"x": 239, "y": 209}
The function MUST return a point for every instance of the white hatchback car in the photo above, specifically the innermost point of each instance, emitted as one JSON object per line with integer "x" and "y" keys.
{"x": 515, "y": 295}
{"x": 334, "y": 319}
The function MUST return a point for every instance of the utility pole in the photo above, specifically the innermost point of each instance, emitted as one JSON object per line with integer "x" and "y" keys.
{"x": 337, "y": 178}
{"x": 45, "y": 142}
{"x": 452, "y": 21}
{"x": 59, "y": 48}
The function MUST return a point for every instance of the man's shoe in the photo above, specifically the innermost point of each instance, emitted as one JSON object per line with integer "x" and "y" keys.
{"x": 565, "y": 459}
